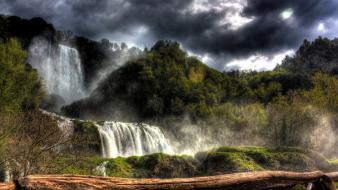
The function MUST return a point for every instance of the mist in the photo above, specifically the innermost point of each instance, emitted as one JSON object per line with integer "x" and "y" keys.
{"x": 189, "y": 137}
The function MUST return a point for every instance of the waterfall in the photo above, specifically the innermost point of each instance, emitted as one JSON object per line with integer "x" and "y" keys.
{"x": 127, "y": 139}
{"x": 68, "y": 73}
{"x": 121, "y": 139}
{"x": 60, "y": 69}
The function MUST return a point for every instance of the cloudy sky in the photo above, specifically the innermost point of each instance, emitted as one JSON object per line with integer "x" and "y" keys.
{"x": 226, "y": 34}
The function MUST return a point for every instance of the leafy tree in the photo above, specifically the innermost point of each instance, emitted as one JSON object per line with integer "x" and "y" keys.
{"x": 324, "y": 93}
{"x": 291, "y": 122}
{"x": 20, "y": 85}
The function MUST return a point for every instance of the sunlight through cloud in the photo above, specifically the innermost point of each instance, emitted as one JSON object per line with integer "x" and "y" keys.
{"x": 286, "y": 14}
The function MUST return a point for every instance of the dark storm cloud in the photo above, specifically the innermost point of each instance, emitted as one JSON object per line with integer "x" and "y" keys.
{"x": 199, "y": 31}
{"x": 268, "y": 32}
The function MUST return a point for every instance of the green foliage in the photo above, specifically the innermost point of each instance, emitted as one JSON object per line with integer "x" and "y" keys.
{"x": 76, "y": 165}
{"x": 20, "y": 86}
{"x": 239, "y": 117}
{"x": 164, "y": 82}
{"x": 88, "y": 137}
{"x": 290, "y": 122}
{"x": 311, "y": 57}
{"x": 324, "y": 93}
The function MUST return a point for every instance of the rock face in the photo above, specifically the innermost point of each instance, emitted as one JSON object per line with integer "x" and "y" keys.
{"x": 237, "y": 181}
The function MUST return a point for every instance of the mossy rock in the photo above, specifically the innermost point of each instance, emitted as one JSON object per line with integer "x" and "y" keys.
{"x": 228, "y": 162}
{"x": 218, "y": 161}
{"x": 78, "y": 166}
{"x": 243, "y": 159}
{"x": 150, "y": 166}
{"x": 163, "y": 166}
{"x": 119, "y": 167}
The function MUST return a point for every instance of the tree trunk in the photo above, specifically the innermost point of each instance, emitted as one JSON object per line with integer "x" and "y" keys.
{"x": 238, "y": 181}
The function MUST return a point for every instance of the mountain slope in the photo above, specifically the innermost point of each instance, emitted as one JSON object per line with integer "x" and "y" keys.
{"x": 164, "y": 82}
{"x": 321, "y": 55}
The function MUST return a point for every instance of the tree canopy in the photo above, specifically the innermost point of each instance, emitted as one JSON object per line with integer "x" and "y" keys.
{"x": 20, "y": 85}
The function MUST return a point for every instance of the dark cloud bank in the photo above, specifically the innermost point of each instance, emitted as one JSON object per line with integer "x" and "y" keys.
{"x": 198, "y": 29}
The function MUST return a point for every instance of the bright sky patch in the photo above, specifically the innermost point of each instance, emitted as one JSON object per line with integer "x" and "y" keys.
{"x": 286, "y": 14}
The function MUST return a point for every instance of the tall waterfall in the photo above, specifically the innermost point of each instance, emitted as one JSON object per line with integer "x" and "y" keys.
{"x": 60, "y": 69}
{"x": 68, "y": 71}
{"x": 127, "y": 139}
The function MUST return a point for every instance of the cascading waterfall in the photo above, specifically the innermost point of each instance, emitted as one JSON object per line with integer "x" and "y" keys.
{"x": 60, "y": 69}
{"x": 127, "y": 139}
{"x": 121, "y": 139}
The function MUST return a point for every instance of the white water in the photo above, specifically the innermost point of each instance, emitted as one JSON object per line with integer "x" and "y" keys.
{"x": 101, "y": 169}
{"x": 121, "y": 139}
{"x": 59, "y": 68}
{"x": 127, "y": 139}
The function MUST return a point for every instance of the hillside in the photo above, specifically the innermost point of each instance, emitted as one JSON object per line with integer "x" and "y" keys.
{"x": 164, "y": 82}
{"x": 317, "y": 56}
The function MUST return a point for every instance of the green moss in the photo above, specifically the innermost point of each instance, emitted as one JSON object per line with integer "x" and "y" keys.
{"x": 227, "y": 162}
{"x": 155, "y": 165}
{"x": 79, "y": 166}
{"x": 241, "y": 159}
{"x": 163, "y": 166}
{"x": 218, "y": 161}
{"x": 119, "y": 167}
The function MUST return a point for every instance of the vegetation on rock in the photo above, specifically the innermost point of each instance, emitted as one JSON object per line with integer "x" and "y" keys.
{"x": 217, "y": 161}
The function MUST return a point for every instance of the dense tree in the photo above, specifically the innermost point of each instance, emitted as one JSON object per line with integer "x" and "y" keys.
{"x": 324, "y": 93}
{"x": 290, "y": 122}
{"x": 317, "y": 56}
{"x": 165, "y": 81}
{"x": 20, "y": 85}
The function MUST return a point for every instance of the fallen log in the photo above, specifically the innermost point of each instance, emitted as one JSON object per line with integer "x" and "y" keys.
{"x": 7, "y": 186}
{"x": 238, "y": 181}
{"x": 250, "y": 180}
